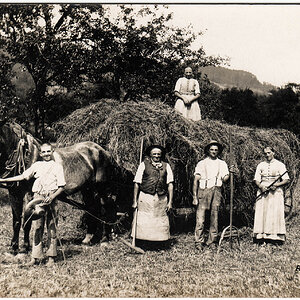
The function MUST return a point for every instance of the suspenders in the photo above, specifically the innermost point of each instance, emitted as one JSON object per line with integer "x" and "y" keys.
{"x": 205, "y": 170}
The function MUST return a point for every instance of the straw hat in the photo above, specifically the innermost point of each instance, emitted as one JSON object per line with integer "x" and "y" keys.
{"x": 34, "y": 210}
{"x": 213, "y": 143}
{"x": 163, "y": 150}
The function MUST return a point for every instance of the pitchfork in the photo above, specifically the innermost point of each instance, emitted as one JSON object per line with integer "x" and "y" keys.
{"x": 233, "y": 231}
{"x": 135, "y": 215}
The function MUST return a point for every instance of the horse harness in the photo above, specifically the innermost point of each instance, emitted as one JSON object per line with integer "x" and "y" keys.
{"x": 16, "y": 162}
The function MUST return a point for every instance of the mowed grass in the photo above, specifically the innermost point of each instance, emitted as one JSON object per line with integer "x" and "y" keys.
{"x": 117, "y": 271}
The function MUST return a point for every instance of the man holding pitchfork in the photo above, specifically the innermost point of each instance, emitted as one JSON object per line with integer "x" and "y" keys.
{"x": 153, "y": 196}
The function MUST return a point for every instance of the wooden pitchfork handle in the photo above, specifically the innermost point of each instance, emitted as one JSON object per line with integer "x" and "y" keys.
{"x": 231, "y": 188}
{"x": 134, "y": 222}
{"x": 268, "y": 188}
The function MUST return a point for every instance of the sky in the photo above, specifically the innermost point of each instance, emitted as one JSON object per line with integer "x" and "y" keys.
{"x": 261, "y": 39}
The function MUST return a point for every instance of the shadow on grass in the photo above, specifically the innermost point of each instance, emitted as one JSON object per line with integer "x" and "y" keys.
{"x": 156, "y": 245}
{"x": 76, "y": 241}
{"x": 69, "y": 253}
{"x": 4, "y": 198}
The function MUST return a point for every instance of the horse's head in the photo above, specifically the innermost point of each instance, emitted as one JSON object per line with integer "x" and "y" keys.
{"x": 10, "y": 134}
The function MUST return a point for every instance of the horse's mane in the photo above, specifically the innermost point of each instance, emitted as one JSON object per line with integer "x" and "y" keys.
{"x": 20, "y": 132}
{"x": 28, "y": 149}
{"x": 17, "y": 129}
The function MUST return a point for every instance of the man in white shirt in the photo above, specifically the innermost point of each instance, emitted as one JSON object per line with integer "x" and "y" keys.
{"x": 153, "y": 196}
{"x": 209, "y": 175}
{"x": 49, "y": 183}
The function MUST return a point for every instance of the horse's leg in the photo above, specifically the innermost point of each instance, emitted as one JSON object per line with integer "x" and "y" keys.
{"x": 92, "y": 208}
{"x": 100, "y": 226}
{"x": 17, "y": 203}
{"x": 108, "y": 212}
{"x": 100, "y": 199}
{"x": 16, "y": 207}
{"x": 110, "y": 209}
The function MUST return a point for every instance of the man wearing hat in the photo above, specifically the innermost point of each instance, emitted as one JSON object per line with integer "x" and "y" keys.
{"x": 48, "y": 185}
{"x": 209, "y": 175}
{"x": 153, "y": 196}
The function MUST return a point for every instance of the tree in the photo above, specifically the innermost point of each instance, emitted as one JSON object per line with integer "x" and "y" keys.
{"x": 239, "y": 107}
{"x": 282, "y": 109}
{"x": 210, "y": 100}
{"x": 6, "y": 91}
{"x": 146, "y": 54}
{"x": 68, "y": 45}
{"x": 52, "y": 50}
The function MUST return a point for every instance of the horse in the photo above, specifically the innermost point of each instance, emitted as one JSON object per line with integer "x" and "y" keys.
{"x": 86, "y": 167}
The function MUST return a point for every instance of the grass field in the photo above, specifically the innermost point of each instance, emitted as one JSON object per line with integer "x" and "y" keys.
{"x": 116, "y": 271}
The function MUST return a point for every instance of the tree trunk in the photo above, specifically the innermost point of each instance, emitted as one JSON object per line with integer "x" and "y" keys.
{"x": 120, "y": 90}
{"x": 39, "y": 110}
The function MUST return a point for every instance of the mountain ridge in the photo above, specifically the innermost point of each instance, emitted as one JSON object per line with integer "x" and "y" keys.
{"x": 228, "y": 78}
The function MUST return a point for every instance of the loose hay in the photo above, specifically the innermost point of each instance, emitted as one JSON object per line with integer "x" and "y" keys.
{"x": 120, "y": 128}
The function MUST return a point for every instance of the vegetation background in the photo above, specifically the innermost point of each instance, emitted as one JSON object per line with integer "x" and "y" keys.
{"x": 57, "y": 58}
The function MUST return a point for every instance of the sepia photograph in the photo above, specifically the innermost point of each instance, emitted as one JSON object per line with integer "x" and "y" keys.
{"x": 149, "y": 150}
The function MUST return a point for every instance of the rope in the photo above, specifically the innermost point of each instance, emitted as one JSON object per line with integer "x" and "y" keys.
{"x": 18, "y": 166}
{"x": 20, "y": 156}
{"x": 28, "y": 219}
{"x": 77, "y": 205}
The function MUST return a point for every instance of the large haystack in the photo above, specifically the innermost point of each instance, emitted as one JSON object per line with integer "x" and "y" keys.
{"x": 120, "y": 128}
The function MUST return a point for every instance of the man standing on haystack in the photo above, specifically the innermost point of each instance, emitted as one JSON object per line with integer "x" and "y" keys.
{"x": 270, "y": 176}
{"x": 187, "y": 91}
{"x": 153, "y": 196}
{"x": 209, "y": 176}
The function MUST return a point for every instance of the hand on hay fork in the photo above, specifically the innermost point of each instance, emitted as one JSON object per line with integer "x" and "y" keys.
{"x": 269, "y": 186}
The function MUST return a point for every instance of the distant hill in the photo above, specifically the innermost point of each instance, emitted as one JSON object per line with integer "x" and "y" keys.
{"x": 226, "y": 78}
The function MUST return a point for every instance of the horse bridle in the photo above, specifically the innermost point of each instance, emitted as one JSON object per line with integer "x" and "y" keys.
{"x": 17, "y": 165}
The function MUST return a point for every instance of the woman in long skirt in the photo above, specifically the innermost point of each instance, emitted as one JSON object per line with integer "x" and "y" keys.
{"x": 269, "y": 223}
{"x": 187, "y": 91}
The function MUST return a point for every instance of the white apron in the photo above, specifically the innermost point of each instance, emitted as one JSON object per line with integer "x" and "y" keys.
{"x": 191, "y": 112}
{"x": 152, "y": 219}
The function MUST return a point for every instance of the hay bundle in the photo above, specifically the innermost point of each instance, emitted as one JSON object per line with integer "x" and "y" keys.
{"x": 119, "y": 128}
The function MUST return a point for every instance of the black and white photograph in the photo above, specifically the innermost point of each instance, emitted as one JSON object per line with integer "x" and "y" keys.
{"x": 150, "y": 149}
